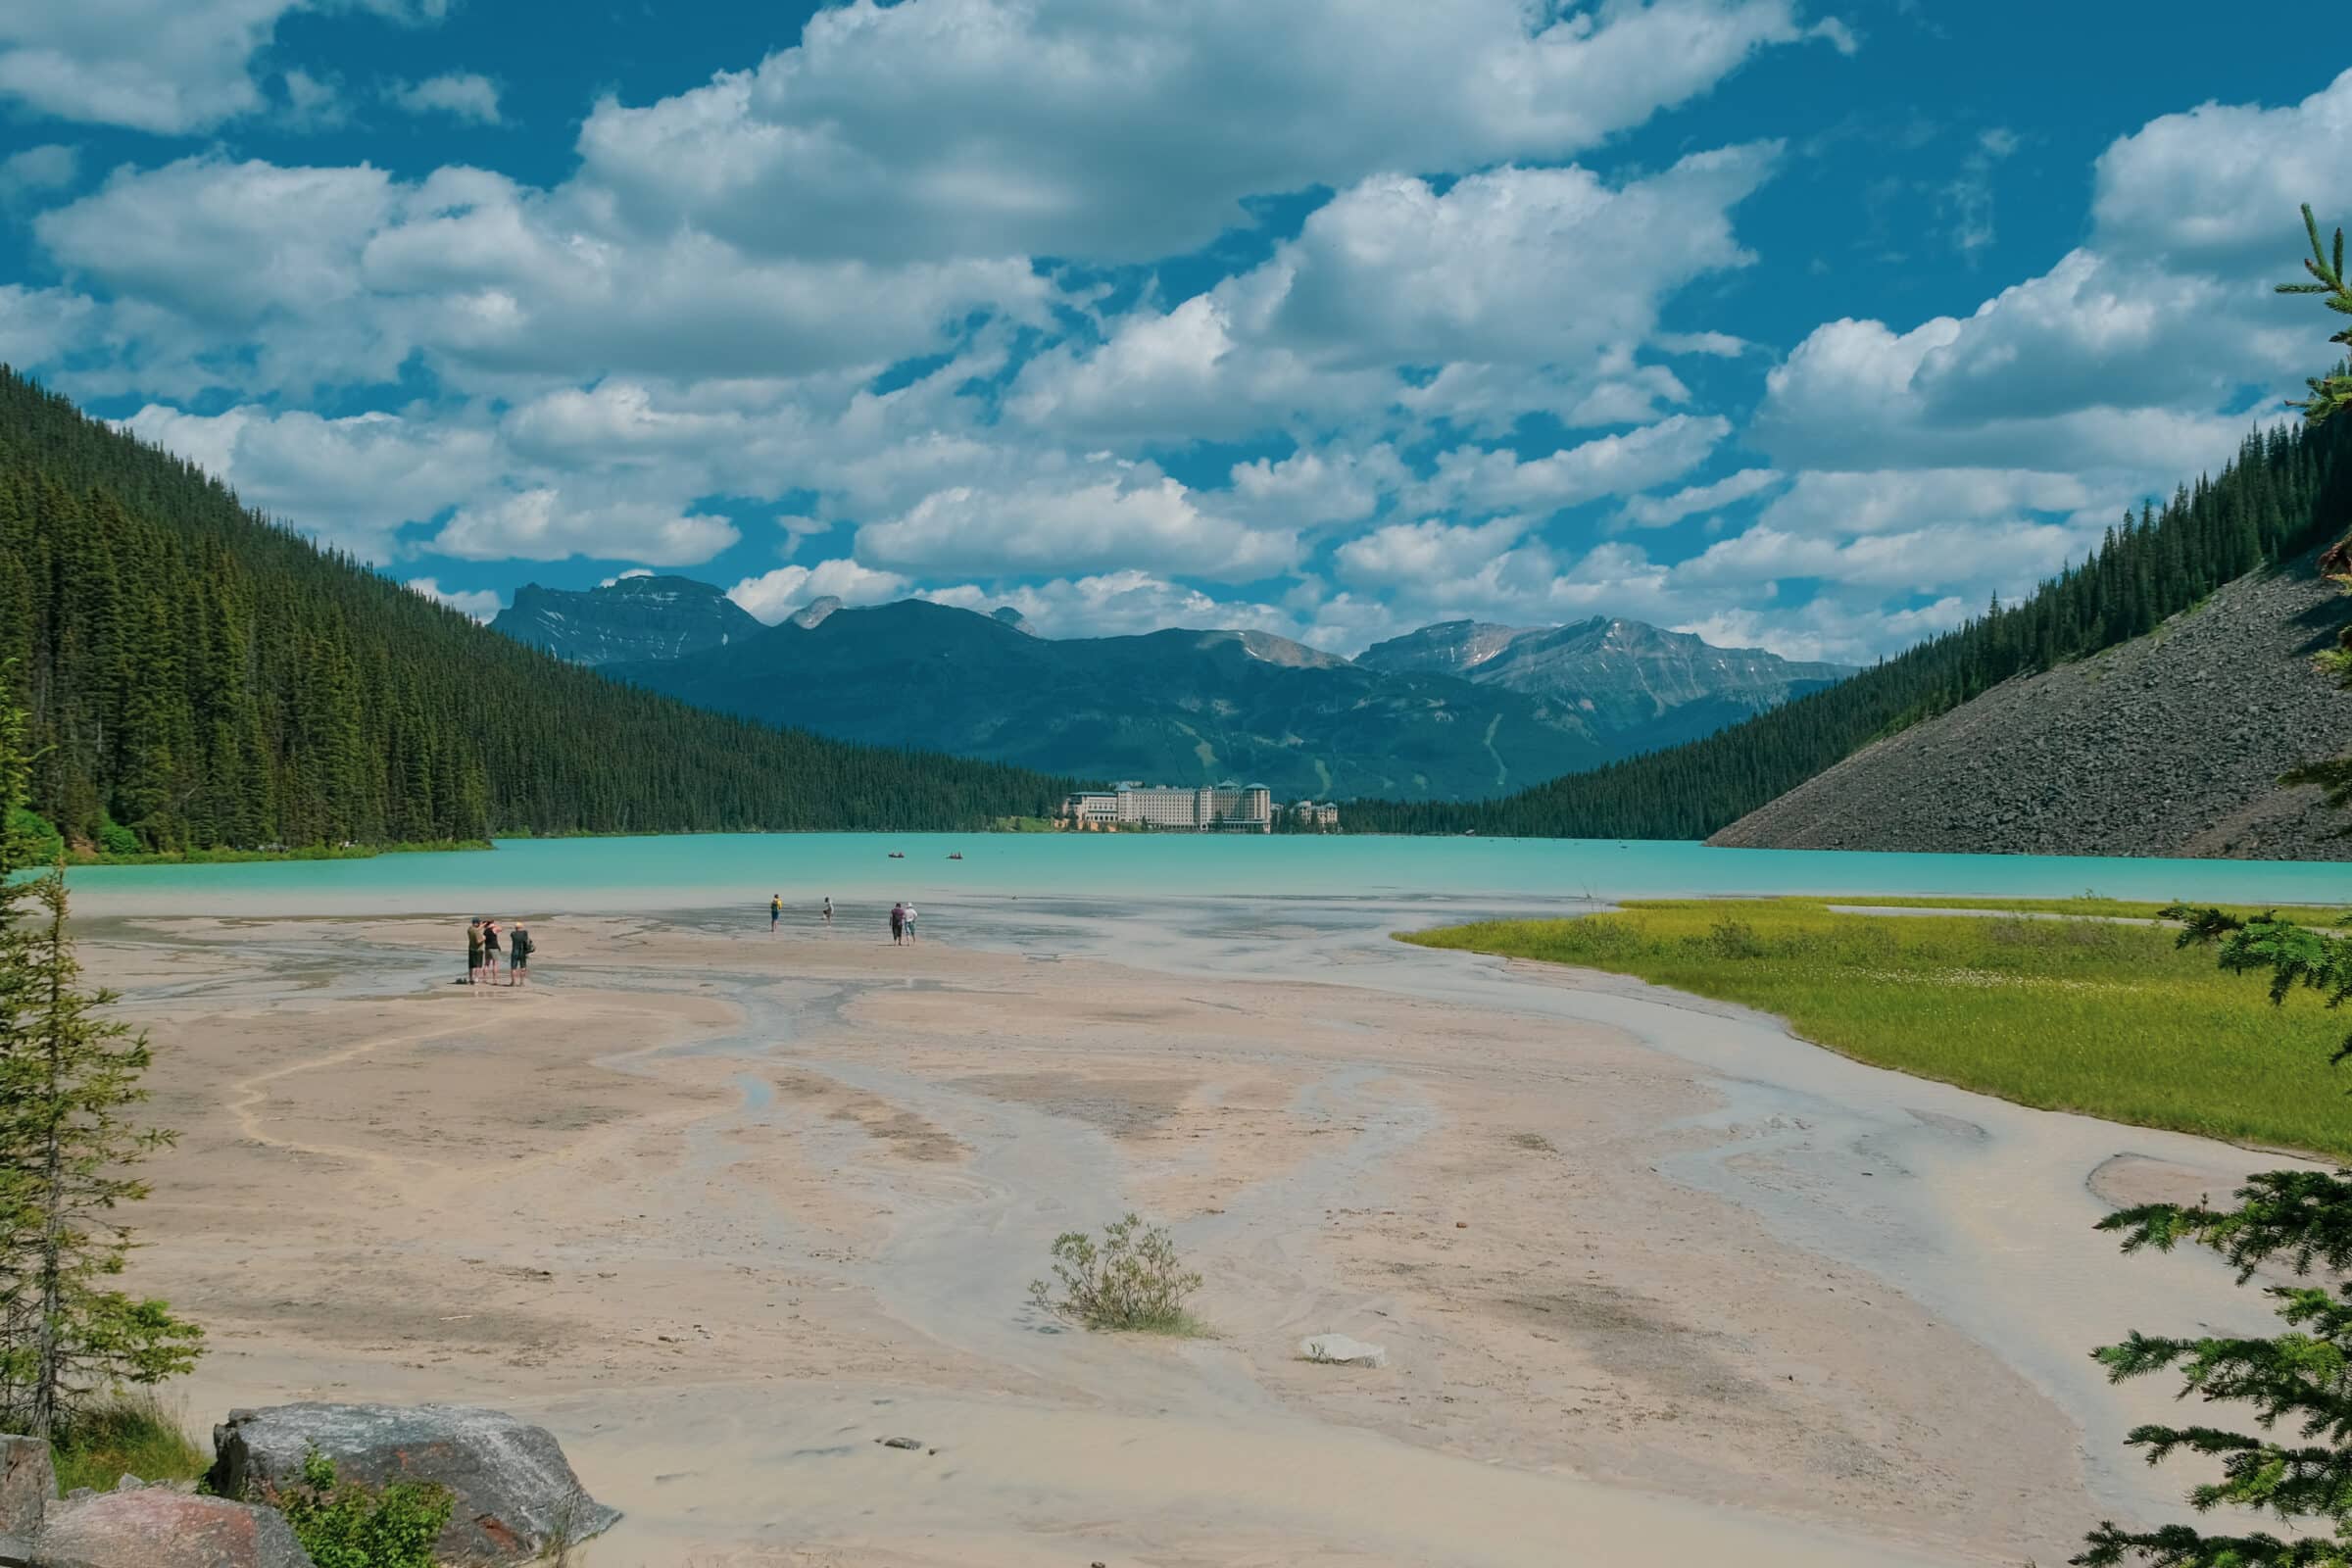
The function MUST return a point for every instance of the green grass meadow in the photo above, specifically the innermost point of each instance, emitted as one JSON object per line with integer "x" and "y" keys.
{"x": 2107, "y": 1019}
{"x": 136, "y": 1433}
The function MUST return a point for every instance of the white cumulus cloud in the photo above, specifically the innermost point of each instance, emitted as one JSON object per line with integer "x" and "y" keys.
{"x": 165, "y": 66}
{"x": 773, "y": 595}
{"x": 352, "y": 482}
{"x": 545, "y": 523}
{"x": 1659, "y": 511}
{"x": 994, "y": 127}
{"x": 1084, "y": 521}
{"x": 466, "y": 95}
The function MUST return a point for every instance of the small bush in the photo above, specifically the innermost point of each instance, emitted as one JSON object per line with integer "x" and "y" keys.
{"x": 1733, "y": 938}
{"x": 1133, "y": 1281}
{"x": 37, "y": 842}
{"x": 116, "y": 839}
{"x": 131, "y": 1433}
{"x": 347, "y": 1525}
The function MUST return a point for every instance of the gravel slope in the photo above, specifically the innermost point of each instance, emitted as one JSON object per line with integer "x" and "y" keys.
{"x": 2169, "y": 745}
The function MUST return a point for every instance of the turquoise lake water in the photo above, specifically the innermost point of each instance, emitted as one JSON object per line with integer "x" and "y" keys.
{"x": 718, "y": 870}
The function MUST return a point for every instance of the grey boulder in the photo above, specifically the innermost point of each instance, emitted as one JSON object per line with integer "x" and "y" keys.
{"x": 516, "y": 1494}
{"x": 28, "y": 1484}
{"x": 158, "y": 1527}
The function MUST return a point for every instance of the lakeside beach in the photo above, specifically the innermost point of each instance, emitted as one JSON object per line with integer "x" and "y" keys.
{"x": 722, "y": 1210}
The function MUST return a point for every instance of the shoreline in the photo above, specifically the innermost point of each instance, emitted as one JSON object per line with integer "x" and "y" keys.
{"x": 711, "y": 873}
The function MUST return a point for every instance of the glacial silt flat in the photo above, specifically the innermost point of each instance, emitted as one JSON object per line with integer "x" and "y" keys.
{"x": 1657, "y": 1282}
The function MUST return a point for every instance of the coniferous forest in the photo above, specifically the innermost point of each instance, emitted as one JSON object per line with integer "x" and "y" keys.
{"x": 196, "y": 676}
{"x": 2287, "y": 489}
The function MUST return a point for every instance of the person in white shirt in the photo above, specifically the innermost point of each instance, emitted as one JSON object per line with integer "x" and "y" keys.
{"x": 911, "y": 922}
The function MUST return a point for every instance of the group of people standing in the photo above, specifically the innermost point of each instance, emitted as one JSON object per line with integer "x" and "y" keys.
{"x": 901, "y": 918}
{"x": 482, "y": 944}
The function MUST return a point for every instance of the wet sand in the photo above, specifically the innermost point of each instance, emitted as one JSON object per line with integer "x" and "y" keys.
{"x": 1659, "y": 1284}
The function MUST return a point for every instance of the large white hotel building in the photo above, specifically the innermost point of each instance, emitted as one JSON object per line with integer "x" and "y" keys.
{"x": 1221, "y": 809}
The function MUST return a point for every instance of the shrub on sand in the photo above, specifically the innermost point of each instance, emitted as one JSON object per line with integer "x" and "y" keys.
{"x": 1131, "y": 1280}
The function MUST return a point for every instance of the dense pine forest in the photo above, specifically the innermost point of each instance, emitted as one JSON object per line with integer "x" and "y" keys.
{"x": 2287, "y": 489}
{"x": 198, "y": 677}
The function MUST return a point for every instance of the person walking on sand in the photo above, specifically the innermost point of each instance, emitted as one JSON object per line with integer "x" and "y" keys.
{"x": 490, "y": 950}
{"x": 907, "y": 920}
{"x": 776, "y": 912}
{"x": 828, "y": 910}
{"x": 474, "y": 953}
{"x": 898, "y": 924}
{"x": 520, "y": 947}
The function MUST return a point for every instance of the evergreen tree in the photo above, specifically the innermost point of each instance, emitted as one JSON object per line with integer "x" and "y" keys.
{"x": 69, "y": 1081}
{"x": 2296, "y": 1465}
{"x": 15, "y": 985}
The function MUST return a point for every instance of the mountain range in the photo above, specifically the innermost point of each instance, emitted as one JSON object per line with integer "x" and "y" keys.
{"x": 644, "y": 617}
{"x": 1454, "y": 712}
{"x": 1624, "y": 677}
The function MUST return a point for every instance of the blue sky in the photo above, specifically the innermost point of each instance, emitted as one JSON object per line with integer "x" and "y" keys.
{"x": 1807, "y": 326}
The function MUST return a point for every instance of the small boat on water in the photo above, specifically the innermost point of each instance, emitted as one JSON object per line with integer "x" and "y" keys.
{"x": 958, "y": 856}
{"x": 898, "y": 855}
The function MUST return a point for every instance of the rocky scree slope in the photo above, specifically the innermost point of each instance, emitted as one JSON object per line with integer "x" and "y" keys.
{"x": 2167, "y": 745}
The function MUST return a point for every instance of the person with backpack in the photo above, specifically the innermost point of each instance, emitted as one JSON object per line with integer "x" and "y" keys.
{"x": 520, "y": 947}
{"x": 776, "y": 912}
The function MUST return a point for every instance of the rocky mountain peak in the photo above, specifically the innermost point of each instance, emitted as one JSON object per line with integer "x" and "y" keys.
{"x": 812, "y": 613}
{"x": 1622, "y": 675}
{"x": 643, "y": 616}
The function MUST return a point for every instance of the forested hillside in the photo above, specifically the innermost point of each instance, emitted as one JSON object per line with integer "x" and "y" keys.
{"x": 2287, "y": 488}
{"x": 197, "y": 677}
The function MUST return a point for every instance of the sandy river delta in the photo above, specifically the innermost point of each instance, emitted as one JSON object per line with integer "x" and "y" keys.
{"x": 1659, "y": 1284}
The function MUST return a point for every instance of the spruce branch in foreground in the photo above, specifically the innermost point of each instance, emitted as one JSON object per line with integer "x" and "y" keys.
{"x": 2296, "y": 1387}
{"x": 2328, "y": 393}
{"x": 68, "y": 1083}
